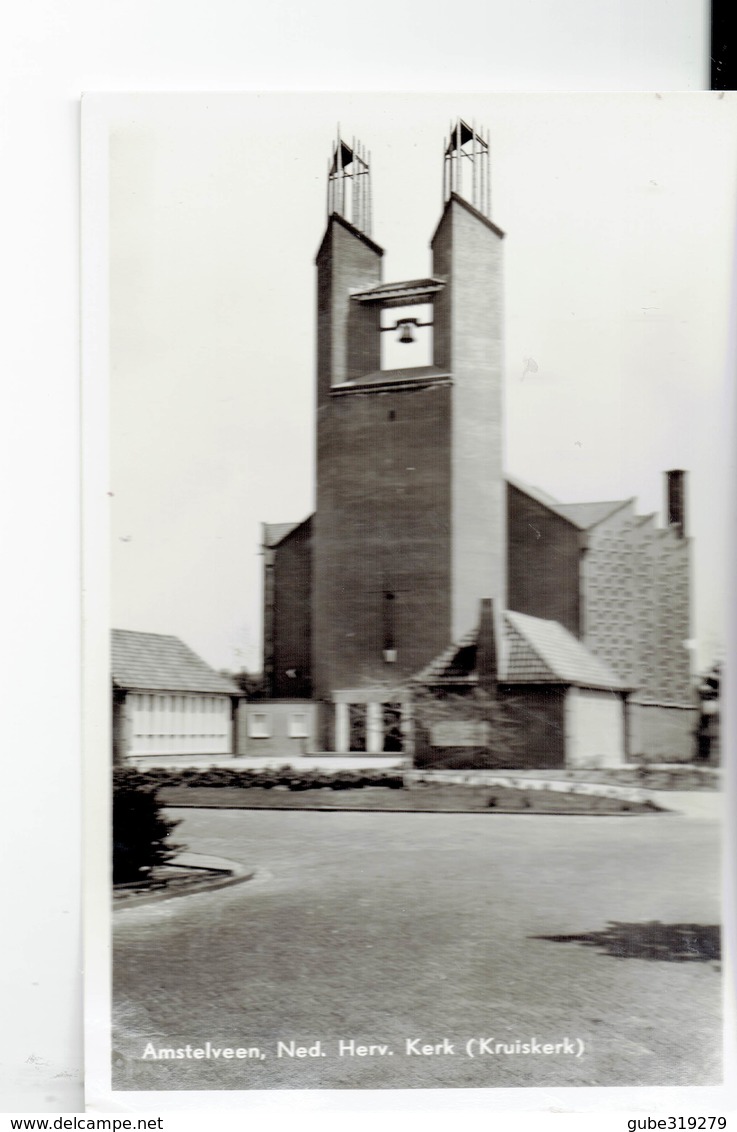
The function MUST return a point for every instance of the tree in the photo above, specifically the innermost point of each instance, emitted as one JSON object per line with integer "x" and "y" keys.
{"x": 253, "y": 684}
{"x": 708, "y": 728}
{"x": 468, "y": 727}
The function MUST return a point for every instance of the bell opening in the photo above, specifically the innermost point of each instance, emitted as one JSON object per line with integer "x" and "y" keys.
{"x": 406, "y": 341}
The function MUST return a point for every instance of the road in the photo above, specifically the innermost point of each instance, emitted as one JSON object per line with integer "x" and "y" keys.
{"x": 389, "y": 929}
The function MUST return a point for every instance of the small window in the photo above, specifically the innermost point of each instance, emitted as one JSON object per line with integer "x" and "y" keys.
{"x": 298, "y": 725}
{"x": 259, "y": 725}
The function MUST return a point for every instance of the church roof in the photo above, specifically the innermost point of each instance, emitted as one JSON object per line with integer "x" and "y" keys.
{"x": 581, "y": 515}
{"x": 587, "y": 515}
{"x": 275, "y": 532}
{"x": 533, "y": 492}
{"x": 536, "y": 652}
{"x": 156, "y": 662}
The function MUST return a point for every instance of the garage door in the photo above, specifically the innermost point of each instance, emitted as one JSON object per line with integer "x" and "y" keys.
{"x": 594, "y": 728}
{"x": 168, "y": 724}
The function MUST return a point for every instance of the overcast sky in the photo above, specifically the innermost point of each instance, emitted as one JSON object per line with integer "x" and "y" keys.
{"x": 619, "y": 213}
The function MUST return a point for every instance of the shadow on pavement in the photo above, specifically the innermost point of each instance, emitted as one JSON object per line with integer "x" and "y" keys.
{"x": 674, "y": 943}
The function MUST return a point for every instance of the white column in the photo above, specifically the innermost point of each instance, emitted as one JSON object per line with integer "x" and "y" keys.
{"x": 407, "y": 727}
{"x": 342, "y": 729}
{"x": 374, "y": 728}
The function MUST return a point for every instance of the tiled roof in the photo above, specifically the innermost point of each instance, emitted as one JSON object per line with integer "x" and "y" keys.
{"x": 441, "y": 668}
{"x": 537, "y": 652}
{"x": 161, "y": 663}
{"x": 522, "y": 662}
{"x": 543, "y": 652}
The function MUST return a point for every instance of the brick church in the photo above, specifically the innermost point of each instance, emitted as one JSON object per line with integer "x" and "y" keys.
{"x": 424, "y": 566}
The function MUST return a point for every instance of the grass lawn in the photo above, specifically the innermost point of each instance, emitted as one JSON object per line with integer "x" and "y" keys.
{"x": 430, "y": 798}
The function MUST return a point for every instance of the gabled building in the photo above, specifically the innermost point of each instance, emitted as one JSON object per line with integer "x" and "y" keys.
{"x": 167, "y": 700}
{"x": 569, "y": 704}
{"x": 417, "y": 527}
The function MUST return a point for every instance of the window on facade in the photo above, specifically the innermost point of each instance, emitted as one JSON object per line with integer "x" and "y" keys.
{"x": 259, "y": 725}
{"x": 298, "y": 728}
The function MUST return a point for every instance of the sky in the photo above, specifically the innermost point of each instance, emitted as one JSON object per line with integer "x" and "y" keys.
{"x": 619, "y": 217}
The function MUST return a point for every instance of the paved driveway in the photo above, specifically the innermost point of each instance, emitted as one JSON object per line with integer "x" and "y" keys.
{"x": 388, "y": 929}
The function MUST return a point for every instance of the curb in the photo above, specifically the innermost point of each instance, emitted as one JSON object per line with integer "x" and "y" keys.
{"x": 365, "y": 810}
{"x": 222, "y": 874}
{"x": 515, "y": 781}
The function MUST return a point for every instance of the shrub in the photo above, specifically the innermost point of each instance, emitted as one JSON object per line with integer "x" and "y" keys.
{"x": 140, "y": 830}
{"x": 300, "y": 782}
{"x": 462, "y": 758}
{"x": 288, "y": 777}
{"x": 346, "y": 780}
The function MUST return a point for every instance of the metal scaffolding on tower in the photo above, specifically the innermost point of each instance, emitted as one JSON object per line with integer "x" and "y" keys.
{"x": 466, "y": 160}
{"x": 349, "y": 184}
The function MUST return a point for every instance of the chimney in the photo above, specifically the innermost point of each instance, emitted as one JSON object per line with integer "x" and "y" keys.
{"x": 676, "y": 501}
{"x": 486, "y": 651}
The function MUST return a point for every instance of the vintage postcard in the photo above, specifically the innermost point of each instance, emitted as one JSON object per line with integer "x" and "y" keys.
{"x": 406, "y": 446}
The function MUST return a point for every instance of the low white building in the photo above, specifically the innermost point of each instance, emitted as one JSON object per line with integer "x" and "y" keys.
{"x": 167, "y": 700}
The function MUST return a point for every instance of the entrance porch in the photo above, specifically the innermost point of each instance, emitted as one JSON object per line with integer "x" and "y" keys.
{"x": 371, "y": 726}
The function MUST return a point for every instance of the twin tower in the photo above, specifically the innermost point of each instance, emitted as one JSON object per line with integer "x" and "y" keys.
{"x": 409, "y": 531}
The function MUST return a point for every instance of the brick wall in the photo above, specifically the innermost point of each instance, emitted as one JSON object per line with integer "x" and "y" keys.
{"x": 670, "y": 678}
{"x": 276, "y": 728}
{"x": 382, "y": 525}
{"x": 609, "y": 591}
{"x": 539, "y": 711}
{"x": 646, "y": 613}
{"x": 268, "y": 608}
{"x": 543, "y": 562}
{"x": 467, "y": 252}
{"x": 292, "y": 614}
{"x": 637, "y": 605}
{"x": 662, "y": 734}
{"x": 347, "y": 341}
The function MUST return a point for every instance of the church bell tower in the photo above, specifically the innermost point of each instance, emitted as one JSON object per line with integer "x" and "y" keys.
{"x": 409, "y": 532}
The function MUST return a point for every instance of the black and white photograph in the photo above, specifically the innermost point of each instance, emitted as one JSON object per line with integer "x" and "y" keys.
{"x": 406, "y": 477}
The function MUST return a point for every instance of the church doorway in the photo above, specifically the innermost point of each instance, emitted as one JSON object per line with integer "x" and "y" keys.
{"x": 393, "y": 739}
{"x": 370, "y": 728}
{"x": 356, "y": 727}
